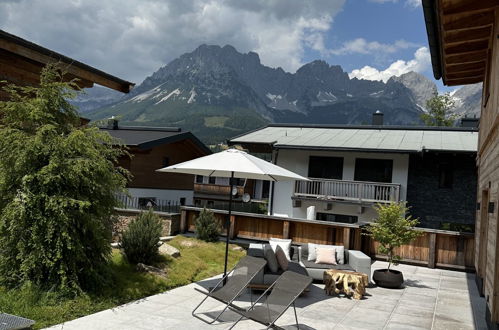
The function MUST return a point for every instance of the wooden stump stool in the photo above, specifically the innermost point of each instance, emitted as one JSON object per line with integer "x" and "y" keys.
{"x": 350, "y": 283}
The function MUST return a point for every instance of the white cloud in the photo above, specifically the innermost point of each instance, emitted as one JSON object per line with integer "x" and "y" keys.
{"x": 420, "y": 63}
{"x": 133, "y": 38}
{"x": 362, "y": 46}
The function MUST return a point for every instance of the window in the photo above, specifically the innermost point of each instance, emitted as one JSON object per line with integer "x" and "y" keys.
{"x": 336, "y": 217}
{"x": 199, "y": 179}
{"x": 376, "y": 170}
{"x": 265, "y": 189}
{"x": 325, "y": 167}
{"x": 212, "y": 179}
{"x": 446, "y": 175}
{"x": 166, "y": 161}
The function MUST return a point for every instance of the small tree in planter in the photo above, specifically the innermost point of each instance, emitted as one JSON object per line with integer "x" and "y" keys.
{"x": 392, "y": 229}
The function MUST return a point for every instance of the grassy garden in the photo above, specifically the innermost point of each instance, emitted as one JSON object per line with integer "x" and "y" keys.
{"x": 198, "y": 260}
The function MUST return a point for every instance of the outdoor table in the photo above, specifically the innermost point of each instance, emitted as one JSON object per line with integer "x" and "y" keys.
{"x": 348, "y": 282}
{"x": 12, "y": 322}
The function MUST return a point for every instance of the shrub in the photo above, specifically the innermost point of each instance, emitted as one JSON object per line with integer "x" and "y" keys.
{"x": 140, "y": 239}
{"x": 392, "y": 229}
{"x": 58, "y": 182}
{"x": 207, "y": 228}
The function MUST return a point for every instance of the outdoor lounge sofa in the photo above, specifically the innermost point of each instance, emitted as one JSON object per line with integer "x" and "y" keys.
{"x": 353, "y": 260}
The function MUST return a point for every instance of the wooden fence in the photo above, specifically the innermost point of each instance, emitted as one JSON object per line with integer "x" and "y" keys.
{"x": 435, "y": 248}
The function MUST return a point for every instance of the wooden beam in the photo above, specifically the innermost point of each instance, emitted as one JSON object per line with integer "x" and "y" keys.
{"x": 463, "y": 81}
{"x": 459, "y": 36}
{"x": 452, "y": 7}
{"x": 285, "y": 229}
{"x": 357, "y": 239}
{"x": 432, "y": 250}
{"x": 466, "y": 47}
{"x": 44, "y": 59}
{"x": 465, "y": 74}
{"x": 471, "y": 66}
{"x": 464, "y": 22}
{"x": 346, "y": 237}
{"x": 183, "y": 221}
{"x": 466, "y": 57}
{"x": 232, "y": 229}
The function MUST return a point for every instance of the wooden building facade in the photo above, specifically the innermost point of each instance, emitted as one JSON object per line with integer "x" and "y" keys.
{"x": 21, "y": 62}
{"x": 150, "y": 149}
{"x": 464, "y": 43}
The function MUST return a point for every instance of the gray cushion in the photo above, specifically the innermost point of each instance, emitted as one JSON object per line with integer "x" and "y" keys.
{"x": 271, "y": 258}
{"x": 312, "y": 264}
{"x": 281, "y": 258}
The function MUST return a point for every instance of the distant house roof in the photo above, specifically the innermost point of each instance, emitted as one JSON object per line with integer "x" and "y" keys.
{"x": 360, "y": 138}
{"x": 21, "y": 62}
{"x": 149, "y": 137}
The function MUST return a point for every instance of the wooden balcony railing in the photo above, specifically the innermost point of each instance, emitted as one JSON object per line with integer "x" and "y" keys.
{"x": 215, "y": 189}
{"x": 358, "y": 191}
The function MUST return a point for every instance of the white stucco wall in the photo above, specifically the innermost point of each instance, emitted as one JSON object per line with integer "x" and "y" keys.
{"x": 164, "y": 194}
{"x": 297, "y": 161}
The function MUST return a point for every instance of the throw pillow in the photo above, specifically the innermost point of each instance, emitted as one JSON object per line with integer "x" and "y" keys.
{"x": 326, "y": 256}
{"x": 271, "y": 258}
{"x": 285, "y": 244}
{"x": 340, "y": 252}
{"x": 281, "y": 258}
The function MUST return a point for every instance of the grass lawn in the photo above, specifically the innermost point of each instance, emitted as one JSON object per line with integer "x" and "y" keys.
{"x": 198, "y": 261}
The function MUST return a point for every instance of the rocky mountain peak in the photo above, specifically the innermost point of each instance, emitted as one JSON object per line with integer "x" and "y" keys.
{"x": 421, "y": 87}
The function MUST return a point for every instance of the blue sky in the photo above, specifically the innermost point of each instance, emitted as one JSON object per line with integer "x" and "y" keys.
{"x": 370, "y": 39}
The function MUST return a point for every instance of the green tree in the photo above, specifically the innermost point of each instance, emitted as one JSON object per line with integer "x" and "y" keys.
{"x": 207, "y": 227}
{"x": 140, "y": 239}
{"x": 439, "y": 109}
{"x": 57, "y": 189}
{"x": 392, "y": 229}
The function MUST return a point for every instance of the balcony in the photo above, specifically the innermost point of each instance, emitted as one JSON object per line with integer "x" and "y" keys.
{"x": 352, "y": 191}
{"x": 215, "y": 189}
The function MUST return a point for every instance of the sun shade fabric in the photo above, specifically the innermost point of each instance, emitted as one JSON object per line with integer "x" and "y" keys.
{"x": 243, "y": 273}
{"x": 244, "y": 165}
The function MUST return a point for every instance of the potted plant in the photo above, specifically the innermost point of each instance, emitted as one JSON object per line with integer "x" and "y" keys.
{"x": 392, "y": 229}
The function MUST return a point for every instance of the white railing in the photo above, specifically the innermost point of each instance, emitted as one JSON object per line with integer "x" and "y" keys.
{"x": 359, "y": 191}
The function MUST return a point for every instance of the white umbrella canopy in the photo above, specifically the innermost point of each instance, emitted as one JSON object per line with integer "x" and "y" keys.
{"x": 236, "y": 163}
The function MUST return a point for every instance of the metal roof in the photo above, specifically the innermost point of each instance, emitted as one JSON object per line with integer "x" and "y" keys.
{"x": 364, "y": 138}
{"x": 148, "y": 137}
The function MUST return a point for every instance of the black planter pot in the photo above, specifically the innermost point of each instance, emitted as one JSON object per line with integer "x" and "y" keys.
{"x": 385, "y": 278}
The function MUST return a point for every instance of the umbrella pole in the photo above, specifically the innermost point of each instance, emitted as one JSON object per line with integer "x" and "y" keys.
{"x": 227, "y": 224}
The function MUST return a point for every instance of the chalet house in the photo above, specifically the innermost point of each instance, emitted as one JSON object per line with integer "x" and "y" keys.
{"x": 464, "y": 45}
{"x": 351, "y": 168}
{"x": 152, "y": 148}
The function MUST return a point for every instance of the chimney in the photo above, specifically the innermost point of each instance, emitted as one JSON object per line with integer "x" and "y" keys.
{"x": 112, "y": 123}
{"x": 377, "y": 118}
{"x": 470, "y": 122}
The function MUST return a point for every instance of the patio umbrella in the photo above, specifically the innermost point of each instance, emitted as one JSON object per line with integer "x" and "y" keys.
{"x": 233, "y": 164}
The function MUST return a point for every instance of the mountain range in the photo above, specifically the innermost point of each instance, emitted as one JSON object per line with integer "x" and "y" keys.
{"x": 217, "y": 93}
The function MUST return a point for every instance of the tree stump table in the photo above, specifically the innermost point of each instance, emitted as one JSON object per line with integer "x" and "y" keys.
{"x": 350, "y": 283}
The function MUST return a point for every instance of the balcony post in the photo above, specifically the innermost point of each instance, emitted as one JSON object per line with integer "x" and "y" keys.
{"x": 346, "y": 237}
{"x": 183, "y": 221}
{"x": 232, "y": 227}
{"x": 285, "y": 229}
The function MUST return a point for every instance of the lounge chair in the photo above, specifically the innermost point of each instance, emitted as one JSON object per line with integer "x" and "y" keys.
{"x": 284, "y": 293}
{"x": 234, "y": 283}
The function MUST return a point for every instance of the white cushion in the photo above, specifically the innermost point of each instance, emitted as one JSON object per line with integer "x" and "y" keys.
{"x": 285, "y": 245}
{"x": 340, "y": 252}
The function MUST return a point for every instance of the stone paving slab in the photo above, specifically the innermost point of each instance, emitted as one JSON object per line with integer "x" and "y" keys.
{"x": 431, "y": 299}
